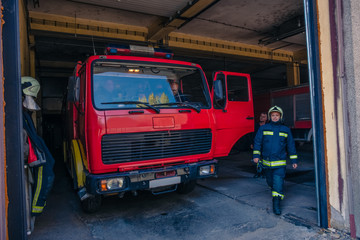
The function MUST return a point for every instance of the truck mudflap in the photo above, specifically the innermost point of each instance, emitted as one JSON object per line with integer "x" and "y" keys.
{"x": 159, "y": 180}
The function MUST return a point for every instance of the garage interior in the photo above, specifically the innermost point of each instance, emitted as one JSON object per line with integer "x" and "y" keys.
{"x": 269, "y": 43}
{"x": 263, "y": 38}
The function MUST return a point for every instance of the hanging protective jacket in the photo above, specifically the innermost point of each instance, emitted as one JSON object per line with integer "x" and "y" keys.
{"x": 44, "y": 174}
{"x": 272, "y": 143}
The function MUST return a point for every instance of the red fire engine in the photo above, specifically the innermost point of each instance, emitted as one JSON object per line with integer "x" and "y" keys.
{"x": 138, "y": 122}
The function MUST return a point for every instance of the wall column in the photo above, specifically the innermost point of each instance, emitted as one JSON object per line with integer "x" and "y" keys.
{"x": 293, "y": 74}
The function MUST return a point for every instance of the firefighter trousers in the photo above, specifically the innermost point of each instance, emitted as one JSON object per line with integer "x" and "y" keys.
{"x": 275, "y": 180}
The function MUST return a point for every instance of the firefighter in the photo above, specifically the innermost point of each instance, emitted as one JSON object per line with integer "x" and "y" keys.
{"x": 174, "y": 85}
{"x": 39, "y": 162}
{"x": 272, "y": 143}
{"x": 262, "y": 121}
{"x": 178, "y": 95}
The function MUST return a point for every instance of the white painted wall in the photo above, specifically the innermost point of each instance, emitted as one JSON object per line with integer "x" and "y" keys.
{"x": 351, "y": 29}
{"x": 334, "y": 126}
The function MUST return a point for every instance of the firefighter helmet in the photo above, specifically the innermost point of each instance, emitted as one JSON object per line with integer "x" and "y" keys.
{"x": 276, "y": 109}
{"x": 30, "y": 86}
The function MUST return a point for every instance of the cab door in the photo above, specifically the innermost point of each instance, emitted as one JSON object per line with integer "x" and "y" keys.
{"x": 233, "y": 109}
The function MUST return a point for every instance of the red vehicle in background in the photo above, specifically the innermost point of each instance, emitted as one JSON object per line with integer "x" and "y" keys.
{"x": 295, "y": 102}
{"x": 128, "y": 130}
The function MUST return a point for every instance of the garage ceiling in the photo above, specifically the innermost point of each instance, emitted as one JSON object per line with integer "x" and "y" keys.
{"x": 164, "y": 8}
{"x": 232, "y": 20}
{"x": 255, "y": 36}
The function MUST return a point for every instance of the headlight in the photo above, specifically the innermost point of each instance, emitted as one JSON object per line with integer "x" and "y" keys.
{"x": 112, "y": 184}
{"x": 207, "y": 170}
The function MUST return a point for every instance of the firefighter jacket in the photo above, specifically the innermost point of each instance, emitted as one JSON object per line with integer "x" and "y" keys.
{"x": 43, "y": 174}
{"x": 272, "y": 143}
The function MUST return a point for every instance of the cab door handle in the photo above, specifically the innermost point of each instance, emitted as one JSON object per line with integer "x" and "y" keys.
{"x": 250, "y": 118}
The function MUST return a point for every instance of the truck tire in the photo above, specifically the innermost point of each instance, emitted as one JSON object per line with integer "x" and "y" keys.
{"x": 185, "y": 188}
{"x": 91, "y": 204}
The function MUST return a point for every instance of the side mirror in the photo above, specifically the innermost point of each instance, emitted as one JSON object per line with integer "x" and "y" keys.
{"x": 219, "y": 94}
{"x": 70, "y": 91}
{"x": 218, "y": 91}
{"x": 77, "y": 89}
{"x": 73, "y": 89}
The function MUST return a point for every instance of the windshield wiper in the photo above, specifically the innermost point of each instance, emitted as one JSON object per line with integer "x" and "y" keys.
{"x": 181, "y": 104}
{"x": 135, "y": 102}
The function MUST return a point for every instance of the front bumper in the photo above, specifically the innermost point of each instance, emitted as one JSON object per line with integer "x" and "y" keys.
{"x": 148, "y": 179}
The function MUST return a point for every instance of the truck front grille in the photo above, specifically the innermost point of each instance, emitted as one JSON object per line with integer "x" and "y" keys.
{"x": 128, "y": 147}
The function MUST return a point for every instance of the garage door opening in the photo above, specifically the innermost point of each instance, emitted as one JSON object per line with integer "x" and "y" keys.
{"x": 275, "y": 80}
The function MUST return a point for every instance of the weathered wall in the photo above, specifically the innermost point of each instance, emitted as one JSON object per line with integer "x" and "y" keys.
{"x": 3, "y": 195}
{"x": 333, "y": 120}
{"x": 351, "y": 30}
{"x": 339, "y": 25}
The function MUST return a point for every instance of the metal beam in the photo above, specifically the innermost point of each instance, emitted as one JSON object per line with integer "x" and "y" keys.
{"x": 159, "y": 30}
{"x": 191, "y": 42}
{"x": 71, "y": 25}
{"x": 287, "y": 29}
{"x": 67, "y": 25}
{"x": 301, "y": 56}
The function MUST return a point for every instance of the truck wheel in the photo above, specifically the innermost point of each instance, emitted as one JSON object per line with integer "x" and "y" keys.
{"x": 91, "y": 204}
{"x": 185, "y": 188}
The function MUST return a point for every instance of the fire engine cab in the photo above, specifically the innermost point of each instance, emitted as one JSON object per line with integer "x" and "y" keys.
{"x": 138, "y": 120}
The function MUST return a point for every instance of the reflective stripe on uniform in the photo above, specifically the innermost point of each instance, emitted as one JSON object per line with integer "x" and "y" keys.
{"x": 37, "y": 209}
{"x": 268, "y": 133}
{"x": 38, "y": 186}
{"x": 283, "y": 134}
{"x": 274, "y": 163}
{"x": 293, "y": 156}
{"x": 256, "y": 152}
{"x": 276, "y": 194}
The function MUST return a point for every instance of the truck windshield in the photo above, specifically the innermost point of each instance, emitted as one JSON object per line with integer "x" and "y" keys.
{"x": 163, "y": 86}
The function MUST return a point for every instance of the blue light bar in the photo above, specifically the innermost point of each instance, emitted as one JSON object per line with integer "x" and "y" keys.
{"x": 133, "y": 50}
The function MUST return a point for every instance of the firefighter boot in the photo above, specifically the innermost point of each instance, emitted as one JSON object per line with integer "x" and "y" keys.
{"x": 276, "y": 205}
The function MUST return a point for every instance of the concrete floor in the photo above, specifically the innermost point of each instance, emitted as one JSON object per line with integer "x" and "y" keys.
{"x": 233, "y": 206}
